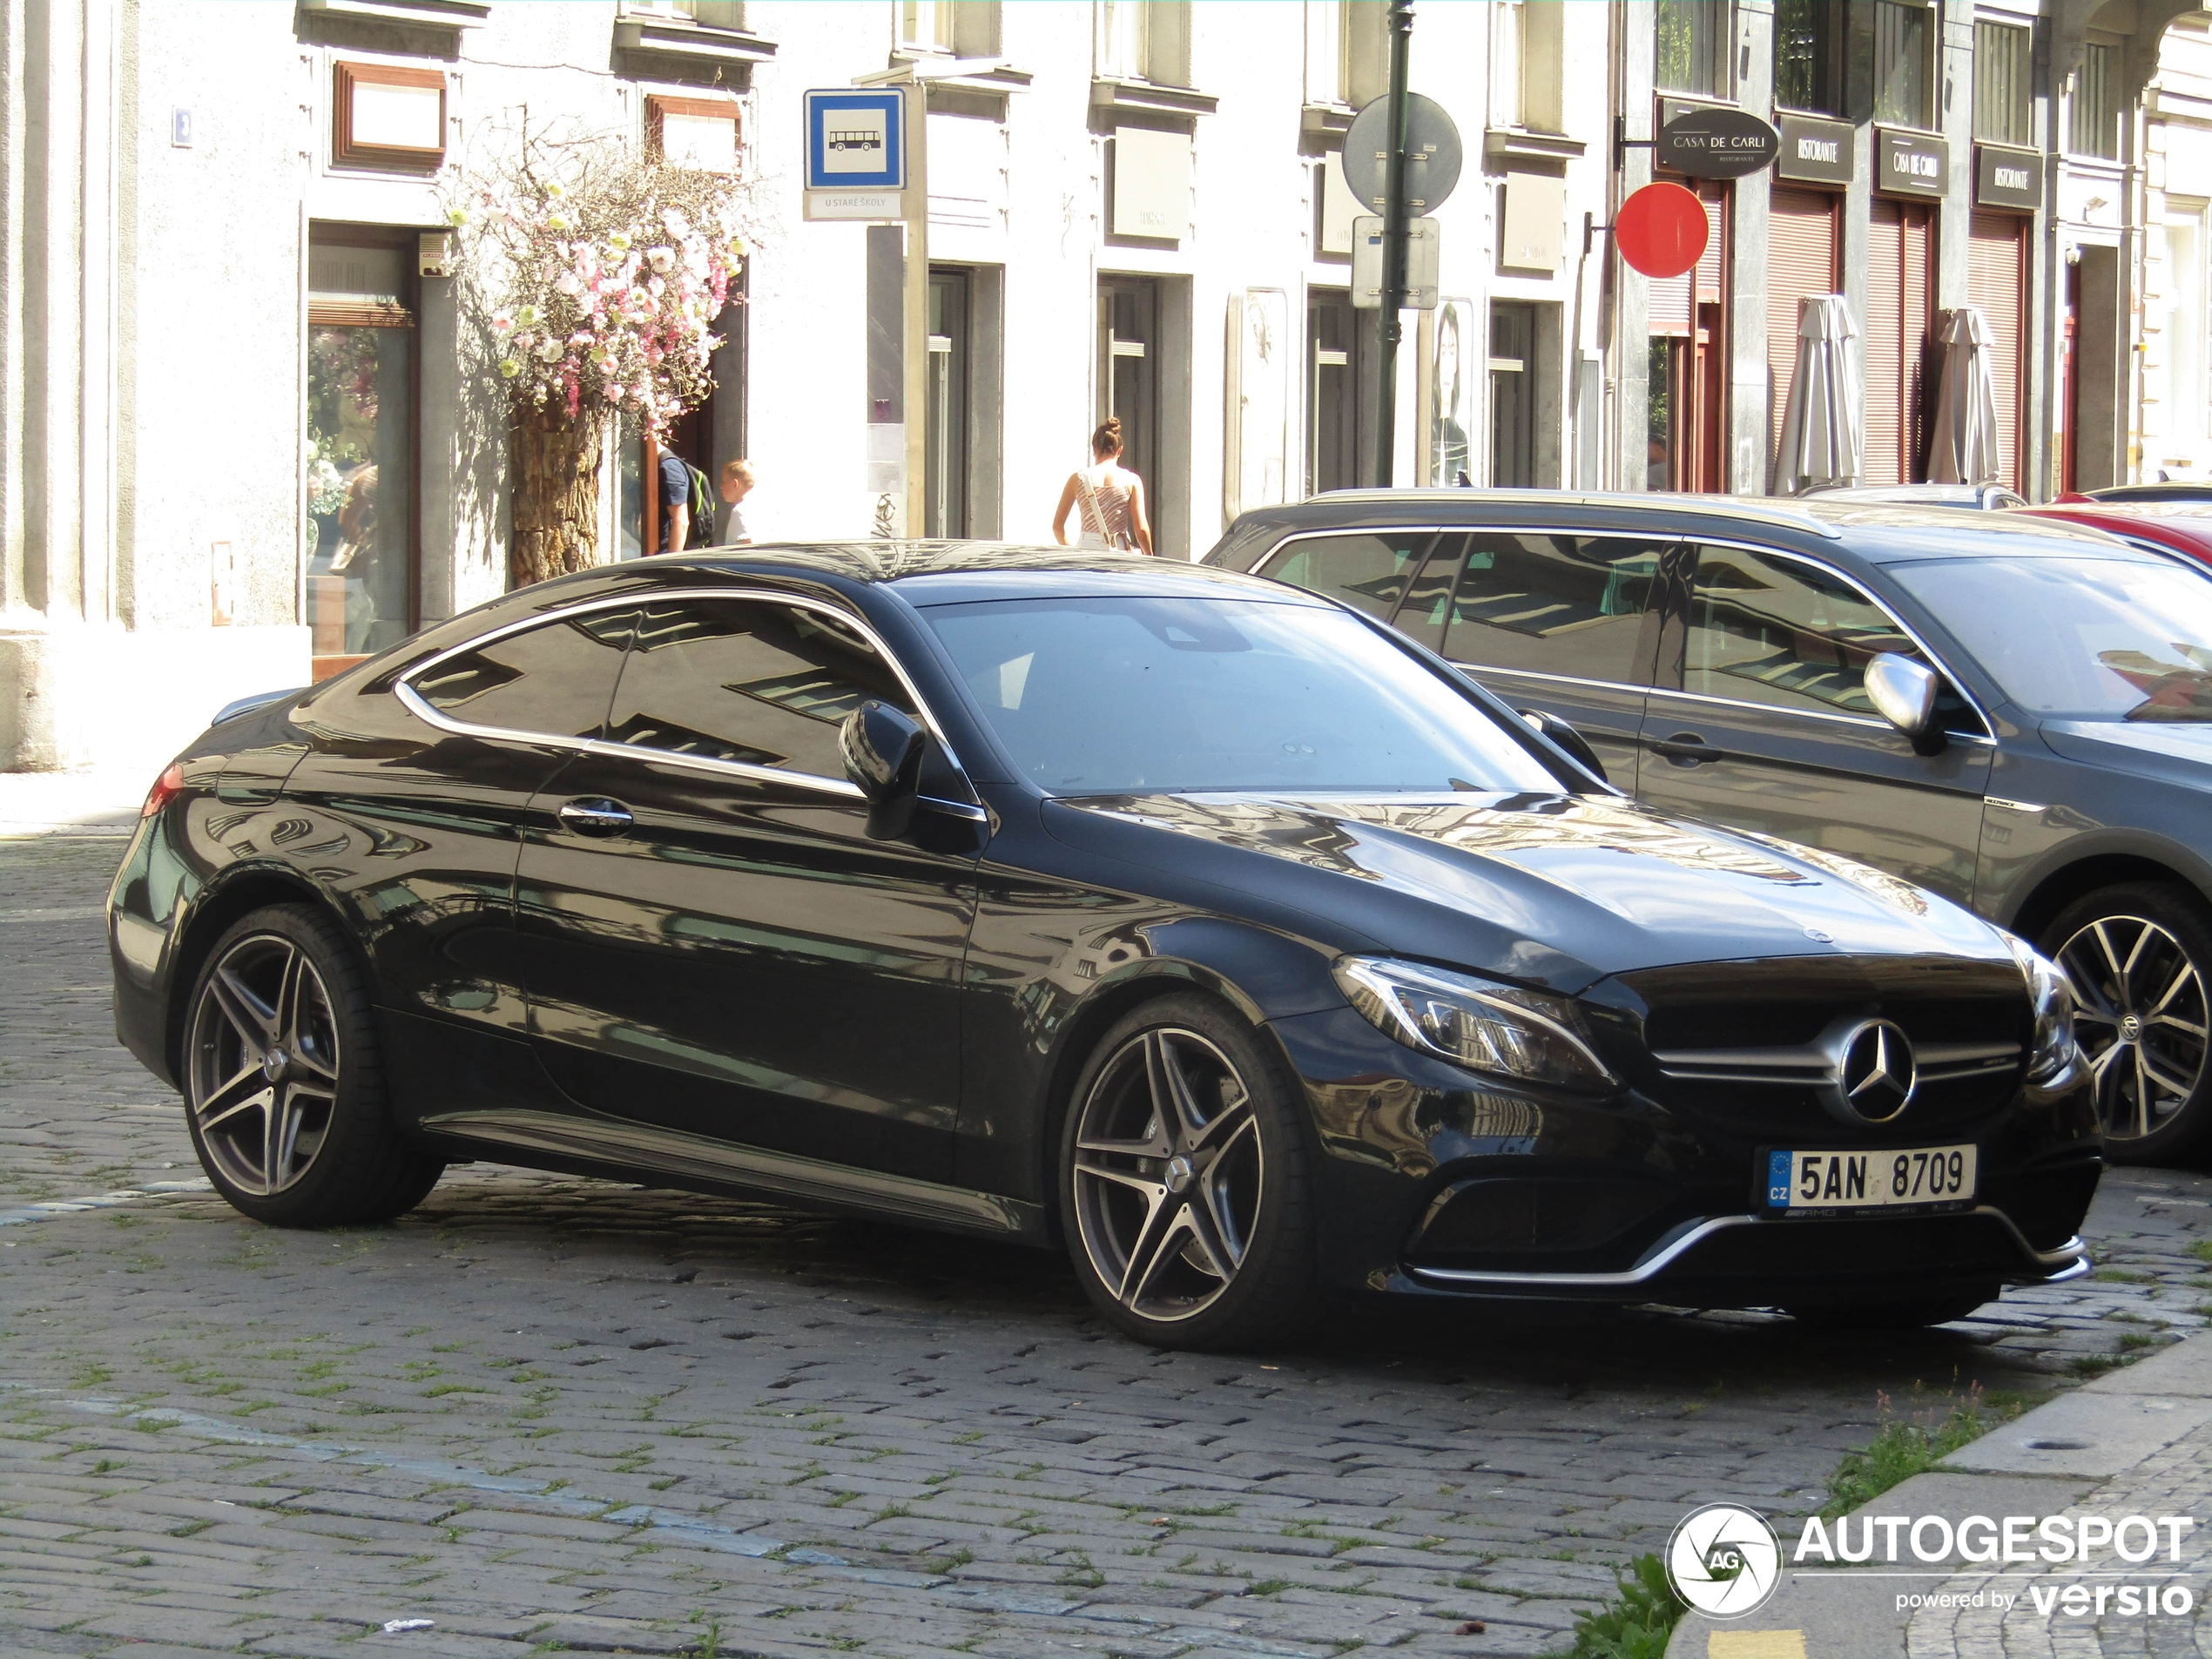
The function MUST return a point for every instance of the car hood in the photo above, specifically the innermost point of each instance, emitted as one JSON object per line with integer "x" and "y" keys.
{"x": 1554, "y": 890}
{"x": 2175, "y": 751}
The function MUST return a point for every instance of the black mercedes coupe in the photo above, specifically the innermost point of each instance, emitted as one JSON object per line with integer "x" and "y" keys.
{"x": 1208, "y": 928}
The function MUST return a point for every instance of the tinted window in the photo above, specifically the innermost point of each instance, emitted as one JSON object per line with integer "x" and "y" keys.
{"x": 1554, "y": 604}
{"x": 1773, "y": 631}
{"x": 2085, "y": 639}
{"x": 1367, "y": 571}
{"x": 1095, "y": 697}
{"x": 554, "y": 680}
{"x": 745, "y": 680}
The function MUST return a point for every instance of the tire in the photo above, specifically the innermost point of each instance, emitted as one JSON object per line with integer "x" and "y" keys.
{"x": 284, "y": 1085}
{"x": 1842, "y": 1317}
{"x": 1231, "y": 1183}
{"x": 2139, "y": 956}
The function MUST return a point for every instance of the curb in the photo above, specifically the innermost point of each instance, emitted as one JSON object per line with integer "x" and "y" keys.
{"x": 2059, "y": 1456}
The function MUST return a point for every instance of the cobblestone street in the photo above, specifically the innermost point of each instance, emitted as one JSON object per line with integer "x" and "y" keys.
{"x": 542, "y": 1413}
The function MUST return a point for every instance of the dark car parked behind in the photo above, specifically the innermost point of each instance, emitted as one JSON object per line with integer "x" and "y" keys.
{"x": 1183, "y": 919}
{"x": 2007, "y": 710}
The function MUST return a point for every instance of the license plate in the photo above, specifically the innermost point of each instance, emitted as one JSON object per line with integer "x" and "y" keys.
{"x": 1871, "y": 1180}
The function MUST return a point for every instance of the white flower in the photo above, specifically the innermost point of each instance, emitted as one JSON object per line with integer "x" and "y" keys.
{"x": 663, "y": 259}
{"x": 549, "y": 351}
{"x": 675, "y": 223}
{"x": 568, "y": 282}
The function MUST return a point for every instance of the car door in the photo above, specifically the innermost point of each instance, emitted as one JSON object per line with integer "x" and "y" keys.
{"x": 409, "y": 804}
{"x": 715, "y": 947}
{"x": 1551, "y": 620}
{"x": 1759, "y": 719}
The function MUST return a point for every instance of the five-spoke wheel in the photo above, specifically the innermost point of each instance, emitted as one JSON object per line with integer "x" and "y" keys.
{"x": 282, "y": 1082}
{"x": 265, "y": 1054}
{"x": 2138, "y": 956}
{"x": 1184, "y": 1180}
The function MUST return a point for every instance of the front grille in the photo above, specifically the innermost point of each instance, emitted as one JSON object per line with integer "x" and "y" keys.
{"x": 1746, "y": 1060}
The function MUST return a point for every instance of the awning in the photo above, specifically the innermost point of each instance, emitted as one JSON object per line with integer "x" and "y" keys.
{"x": 1962, "y": 449}
{"x": 1821, "y": 428}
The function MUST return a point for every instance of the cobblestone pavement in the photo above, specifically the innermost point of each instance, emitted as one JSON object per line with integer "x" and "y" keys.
{"x": 549, "y": 1412}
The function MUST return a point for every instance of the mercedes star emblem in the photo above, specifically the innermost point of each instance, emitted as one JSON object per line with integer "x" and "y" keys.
{"x": 1875, "y": 1071}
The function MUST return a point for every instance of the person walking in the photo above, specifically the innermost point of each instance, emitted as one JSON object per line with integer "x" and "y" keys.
{"x": 1111, "y": 496}
{"x": 737, "y": 484}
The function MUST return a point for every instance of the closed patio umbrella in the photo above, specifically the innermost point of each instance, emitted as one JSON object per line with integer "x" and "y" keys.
{"x": 1820, "y": 427}
{"x": 1963, "y": 448}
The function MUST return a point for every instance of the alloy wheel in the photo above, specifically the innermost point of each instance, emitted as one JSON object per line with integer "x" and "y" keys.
{"x": 264, "y": 1067}
{"x": 2139, "y": 1011}
{"x": 1167, "y": 1174}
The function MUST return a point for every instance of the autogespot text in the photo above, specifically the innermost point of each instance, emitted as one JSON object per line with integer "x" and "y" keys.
{"x": 2054, "y": 1540}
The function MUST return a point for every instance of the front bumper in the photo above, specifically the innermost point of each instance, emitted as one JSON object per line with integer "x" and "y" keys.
{"x": 1433, "y": 1181}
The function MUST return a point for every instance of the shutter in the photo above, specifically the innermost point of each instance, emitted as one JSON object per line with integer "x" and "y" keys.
{"x": 1996, "y": 273}
{"x": 1915, "y": 332}
{"x": 1674, "y": 301}
{"x": 1884, "y": 349}
{"x": 1712, "y": 265}
{"x": 1801, "y": 263}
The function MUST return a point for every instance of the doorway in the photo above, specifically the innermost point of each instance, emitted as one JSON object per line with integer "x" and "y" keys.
{"x": 1332, "y": 424}
{"x": 1128, "y": 353}
{"x": 945, "y": 484}
{"x": 1687, "y": 383}
{"x": 1512, "y": 396}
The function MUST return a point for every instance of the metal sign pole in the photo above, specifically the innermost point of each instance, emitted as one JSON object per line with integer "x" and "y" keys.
{"x": 916, "y": 378}
{"x": 1389, "y": 332}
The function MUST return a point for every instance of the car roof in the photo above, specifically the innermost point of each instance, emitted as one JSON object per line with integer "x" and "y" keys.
{"x": 946, "y": 572}
{"x": 1875, "y": 531}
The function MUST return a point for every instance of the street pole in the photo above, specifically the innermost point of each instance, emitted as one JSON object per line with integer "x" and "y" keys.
{"x": 915, "y": 293}
{"x": 1388, "y": 330}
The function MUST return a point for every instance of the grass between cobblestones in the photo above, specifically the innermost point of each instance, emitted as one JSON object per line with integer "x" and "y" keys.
{"x": 1914, "y": 1444}
{"x": 1638, "y": 1622}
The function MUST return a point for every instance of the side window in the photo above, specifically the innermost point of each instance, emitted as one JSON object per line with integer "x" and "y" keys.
{"x": 554, "y": 679}
{"x": 1552, "y": 605}
{"x": 1367, "y": 570}
{"x": 747, "y": 680}
{"x": 1764, "y": 630}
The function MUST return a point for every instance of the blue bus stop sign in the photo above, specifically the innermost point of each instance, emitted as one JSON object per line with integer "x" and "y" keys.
{"x": 856, "y": 140}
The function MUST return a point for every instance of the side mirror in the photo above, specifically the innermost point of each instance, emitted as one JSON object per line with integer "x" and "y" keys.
{"x": 1904, "y": 693}
{"x": 1566, "y": 736}
{"x": 883, "y": 754}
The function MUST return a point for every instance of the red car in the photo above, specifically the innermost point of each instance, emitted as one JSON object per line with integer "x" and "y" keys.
{"x": 2182, "y": 527}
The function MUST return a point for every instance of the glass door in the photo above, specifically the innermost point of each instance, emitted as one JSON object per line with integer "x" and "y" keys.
{"x": 1513, "y": 402}
{"x": 945, "y": 486}
{"x": 1332, "y": 392}
{"x": 1128, "y": 342}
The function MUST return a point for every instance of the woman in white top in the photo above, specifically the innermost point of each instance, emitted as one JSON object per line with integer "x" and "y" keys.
{"x": 1110, "y": 497}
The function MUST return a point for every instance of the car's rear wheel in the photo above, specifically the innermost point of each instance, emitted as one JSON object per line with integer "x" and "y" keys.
{"x": 2139, "y": 956}
{"x": 283, "y": 1083}
{"x": 1183, "y": 1181}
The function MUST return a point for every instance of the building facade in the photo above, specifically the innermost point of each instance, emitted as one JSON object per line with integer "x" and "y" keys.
{"x": 240, "y": 445}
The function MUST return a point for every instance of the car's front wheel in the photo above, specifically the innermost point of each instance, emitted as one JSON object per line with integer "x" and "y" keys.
{"x": 2140, "y": 958}
{"x": 283, "y": 1084}
{"x": 1183, "y": 1181}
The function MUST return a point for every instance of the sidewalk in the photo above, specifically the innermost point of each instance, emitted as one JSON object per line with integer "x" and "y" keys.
{"x": 104, "y": 802}
{"x": 2134, "y": 1442}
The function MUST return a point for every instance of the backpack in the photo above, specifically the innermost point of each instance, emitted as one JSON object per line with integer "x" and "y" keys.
{"x": 702, "y": 508}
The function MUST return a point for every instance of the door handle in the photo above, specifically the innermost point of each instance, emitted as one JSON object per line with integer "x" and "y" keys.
{"x": 594, "y": 815}
{"x": 1686, "y": 749}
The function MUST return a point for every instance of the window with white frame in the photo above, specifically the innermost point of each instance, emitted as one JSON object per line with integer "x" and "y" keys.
{"x": 708, "y": 13}
{"x": 1144, "y": 40}
{"x": 1324, "y": 42}
{"x": 1363, "y": 50}
{"x": 2004, "y": 71}
{"x": 959, "y": 28}
{"x": 2092, "y": 123}
{"x": 1525, "y": 64}
{"x": 2183, "y": 330}
{"x": 1507, "y": 20}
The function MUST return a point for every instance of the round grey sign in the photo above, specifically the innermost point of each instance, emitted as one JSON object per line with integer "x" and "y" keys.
{"x": 1432, "y": 155}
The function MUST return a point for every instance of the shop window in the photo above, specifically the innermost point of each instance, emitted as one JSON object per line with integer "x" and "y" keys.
{"x": 1904, "y": 64}
{"x": 1145, "y": 40}
{"x": 1809, "y": 37}
{"x": 388, "y": 116}
{"x": 2003, "y": 61}
{"x": 1695, "y": 46}
{"x": 360, "y": 424}
{"x": 2094, "y": 129}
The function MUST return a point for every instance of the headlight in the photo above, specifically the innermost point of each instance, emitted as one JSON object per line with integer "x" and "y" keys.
{"x": 1472, "y": 1022}
{"x": 2052, "y": 1048}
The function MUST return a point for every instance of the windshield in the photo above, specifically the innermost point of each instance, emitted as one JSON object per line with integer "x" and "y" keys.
{"x": 2082, "y": 639}
{"x": 1102, "y": 697}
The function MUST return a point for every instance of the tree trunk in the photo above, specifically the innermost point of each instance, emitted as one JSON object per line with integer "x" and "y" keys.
{"x": 556, "y": 497}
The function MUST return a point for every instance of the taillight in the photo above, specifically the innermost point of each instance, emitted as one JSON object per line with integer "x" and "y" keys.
{"x": 164, "y": 789}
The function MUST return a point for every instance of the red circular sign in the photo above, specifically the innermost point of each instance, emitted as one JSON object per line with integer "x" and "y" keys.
{"x": 1661, "y": 230}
